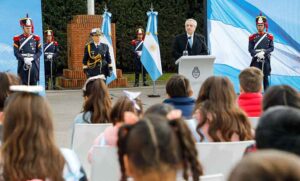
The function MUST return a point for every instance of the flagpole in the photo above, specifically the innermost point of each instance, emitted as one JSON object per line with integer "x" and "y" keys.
{"x": 154, "y": 93}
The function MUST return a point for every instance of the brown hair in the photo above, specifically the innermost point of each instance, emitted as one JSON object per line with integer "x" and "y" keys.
{"x": 251, "y": 79}
{"x": 4, "y": 89}
{"x": 281, "y": 95}
{"x": 98, "y": 101}
{"x": 178, "y": 86}
{"x": 28, "y": 150}
{"x": 218, "y": 99}
{"x": 156, "y": 144}
{"x": 267, "y": 165}
{"x": 123, "y": 105}
{"x": 13, "y": 79}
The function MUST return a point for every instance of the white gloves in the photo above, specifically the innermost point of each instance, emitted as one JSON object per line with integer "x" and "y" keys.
{"x": 49, "y": 56}
{"x": 28, "y": 61}
{"x": 139, "y": 53}
{"x": 260, "y": 55}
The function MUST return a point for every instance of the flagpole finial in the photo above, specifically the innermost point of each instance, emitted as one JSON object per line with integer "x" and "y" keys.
{"x": 151, "y": 8}
{"x": 105, "y": 8}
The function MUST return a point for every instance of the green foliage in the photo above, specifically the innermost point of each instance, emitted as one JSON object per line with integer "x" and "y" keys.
{"x": 128, "y": 16}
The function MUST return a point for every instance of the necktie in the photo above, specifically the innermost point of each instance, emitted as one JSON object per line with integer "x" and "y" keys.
{"x": 190, "y": 42}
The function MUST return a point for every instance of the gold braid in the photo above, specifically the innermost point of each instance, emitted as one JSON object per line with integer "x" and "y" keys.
{"x": 97, "y": 58}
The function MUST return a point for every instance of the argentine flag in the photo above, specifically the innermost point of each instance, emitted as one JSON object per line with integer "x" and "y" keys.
{"x": 230, "y": 22}
{"x": 151, "y": 54}
{"x": 106, "y": 38}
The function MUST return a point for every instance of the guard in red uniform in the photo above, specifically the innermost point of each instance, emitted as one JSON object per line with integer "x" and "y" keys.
{"x": 260, "y": 47}
{"x": 27, "y": 49}
{"x": 50, "y": 57}
{"x": 137, "y": 45}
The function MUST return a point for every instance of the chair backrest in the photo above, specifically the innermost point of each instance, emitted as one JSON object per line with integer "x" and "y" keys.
{"x": 254, "y": 121}
{"x": 221, "y": 157}
{"x": 105, "y": 164}
{"x": 215, "y": 177}
{"x": 83, "y": 138}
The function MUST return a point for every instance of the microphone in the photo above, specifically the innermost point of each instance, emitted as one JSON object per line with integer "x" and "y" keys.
{"x": 185, "y": 52}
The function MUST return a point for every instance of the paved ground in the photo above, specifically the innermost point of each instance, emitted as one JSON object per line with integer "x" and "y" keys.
{"x": 66, "y": 104}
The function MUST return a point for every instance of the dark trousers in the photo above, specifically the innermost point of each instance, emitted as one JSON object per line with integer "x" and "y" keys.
{"x": 138, "y": 69}
{"x": 266, "y": 82}
{"x": 48, "y": 72}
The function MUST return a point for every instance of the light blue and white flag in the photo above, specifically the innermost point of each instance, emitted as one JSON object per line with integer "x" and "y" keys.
{"x": 230, "y": 22}
{"x": 106, "y": 38}
{"x": 151, "y": 54}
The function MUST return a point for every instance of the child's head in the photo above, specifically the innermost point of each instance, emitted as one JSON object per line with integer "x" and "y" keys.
{"x": 219, "y": 90}
{"x": 124, "y": 104}
{"x": 179, "y": 86}
{"x": 278, "y": 128}
{"x": 267, "y": 165}
{"x": 251, "y": 80}
{"x": 28, "y": 148}
{"x": 216, "y": 105}
{"x": 281, "y": 95}
{"x": 13, "y": 79}
{"x": 97, "y": 100}
{"x": 4, "y": 89}
{"x": 157, "y": 146}
{"x": 160, "y": 109}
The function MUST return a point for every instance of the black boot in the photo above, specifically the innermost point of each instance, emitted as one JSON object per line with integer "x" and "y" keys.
{"x": 136, "y": 82}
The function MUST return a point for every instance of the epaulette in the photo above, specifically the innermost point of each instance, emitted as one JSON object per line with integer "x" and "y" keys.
{"x": 270, "y": 36}
{"x": 251, "y": 37}
{"x": 16, "y": 38}
{"x": 133, "y": 42}
{"x": 36, "y": 37}
{"x": 55, "y": 43}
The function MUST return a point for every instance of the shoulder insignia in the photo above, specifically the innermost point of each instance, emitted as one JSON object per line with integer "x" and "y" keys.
{"x": 270, "y": 36}
{"x": 133, "y": 42}
{"x": 55, "y": 43}
{"x": 16, "y": 38}
{"x": 251, "y": 37}
{"x": 36, "y": 37}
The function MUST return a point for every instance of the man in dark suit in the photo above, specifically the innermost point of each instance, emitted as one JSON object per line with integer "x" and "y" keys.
{"x": 189, "y": 43}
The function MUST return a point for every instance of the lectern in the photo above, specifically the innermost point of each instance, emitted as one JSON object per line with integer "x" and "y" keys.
{"x": 196, "y": 68}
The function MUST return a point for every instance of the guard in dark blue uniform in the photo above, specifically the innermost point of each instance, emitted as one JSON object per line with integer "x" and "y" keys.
{"x": 27, "y": 49}
{"x": 137, "y": 45}
{"x": 260, "y": 47}
{"x": 50, "y": 57}
{"x": 96, "y": 59}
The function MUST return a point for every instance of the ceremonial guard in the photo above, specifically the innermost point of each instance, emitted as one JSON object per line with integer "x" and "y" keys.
{"x": 137, "y": 45}
{"x": 50, "y": 55}
{"x": 260, "y": 47}
{"x": 27, "y": 49}
{"x": 96, "y": 59}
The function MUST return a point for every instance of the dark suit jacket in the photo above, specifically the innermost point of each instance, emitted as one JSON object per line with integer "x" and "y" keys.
{"x": 199, "y": 46}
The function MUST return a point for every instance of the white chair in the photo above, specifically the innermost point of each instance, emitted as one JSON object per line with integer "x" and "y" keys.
{"x": 105, "y": 164}
{"x": 215, "y": 177}
{"x": 253, "y": 121}
{"x": 82, "y": 140}
{"x": 221, "y": 157}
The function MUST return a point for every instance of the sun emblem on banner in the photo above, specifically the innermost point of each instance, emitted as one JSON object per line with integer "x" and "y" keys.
{"x": 153, "y": 47}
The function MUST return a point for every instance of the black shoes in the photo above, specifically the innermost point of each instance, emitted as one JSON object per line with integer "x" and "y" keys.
{"x": 145, "y": 84}
{"x": 136, "y": 84}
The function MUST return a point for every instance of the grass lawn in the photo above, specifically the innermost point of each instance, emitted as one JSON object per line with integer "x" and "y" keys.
{"x": 161, "y": 80}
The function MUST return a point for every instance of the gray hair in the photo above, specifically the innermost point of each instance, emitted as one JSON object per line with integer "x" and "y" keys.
{"x": 192, "y": 21}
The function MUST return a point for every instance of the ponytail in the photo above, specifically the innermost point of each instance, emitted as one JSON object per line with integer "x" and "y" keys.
{"x": 188, "y": 149}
